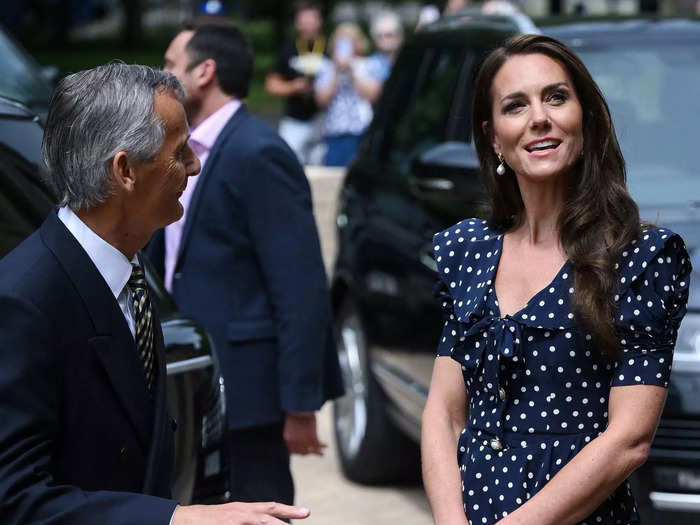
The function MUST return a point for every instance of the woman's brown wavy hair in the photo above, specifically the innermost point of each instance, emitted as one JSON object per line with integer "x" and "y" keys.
{"x": 599, "y": 218}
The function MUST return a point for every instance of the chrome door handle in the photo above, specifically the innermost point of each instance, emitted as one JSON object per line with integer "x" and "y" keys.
{"x": 425, "y": 256}
{"x": 432, "y": 184}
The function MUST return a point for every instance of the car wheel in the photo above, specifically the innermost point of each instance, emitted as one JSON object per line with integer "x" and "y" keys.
{"x": 371, "y": 449}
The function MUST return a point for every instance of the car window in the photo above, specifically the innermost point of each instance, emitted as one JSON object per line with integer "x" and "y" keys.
{"x": 651, "y": 89}
{"x": 398, "y": 90}
{"x": 20, "y": 79}
{"x": 25, "y": 199}
{"x": 423, "y": 121}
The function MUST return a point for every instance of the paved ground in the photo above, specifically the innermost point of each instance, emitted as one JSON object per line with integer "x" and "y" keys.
{"x": 320, "y": 485}
{"x": 333, "y": 500}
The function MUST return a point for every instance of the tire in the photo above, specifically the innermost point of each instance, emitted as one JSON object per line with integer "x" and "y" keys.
{"x": 371, "y": 448}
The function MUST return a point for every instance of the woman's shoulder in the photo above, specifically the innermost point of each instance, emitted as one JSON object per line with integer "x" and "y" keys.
{"x": 466, "y": 255}
{"x": 465, "y": 232}
{"x": 650, "y": 245}
{"x": 655, "y": 251}
{"x": 466, "y": 247}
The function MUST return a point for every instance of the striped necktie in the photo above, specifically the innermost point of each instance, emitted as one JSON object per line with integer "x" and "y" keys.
{"x": 143, "y": 321}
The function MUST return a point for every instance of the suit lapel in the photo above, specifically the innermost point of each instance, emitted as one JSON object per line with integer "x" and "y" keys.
{"x": 231, "y": 126}
{"x": 113, "y": 342}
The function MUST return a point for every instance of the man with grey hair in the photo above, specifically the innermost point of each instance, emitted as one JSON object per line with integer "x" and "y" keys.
{"x": 85, "y": 433}
{"x": 387, "y": 33}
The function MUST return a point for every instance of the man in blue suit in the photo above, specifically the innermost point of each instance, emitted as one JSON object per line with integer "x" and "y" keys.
{"x": 246, "y": 262}
{"x": 85, "y": 434}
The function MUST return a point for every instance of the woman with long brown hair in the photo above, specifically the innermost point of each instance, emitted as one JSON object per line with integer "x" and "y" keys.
{"x": 561, "y": 310}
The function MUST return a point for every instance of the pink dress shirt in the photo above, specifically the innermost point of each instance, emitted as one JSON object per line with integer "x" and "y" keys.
{"x": 201, "y": 140}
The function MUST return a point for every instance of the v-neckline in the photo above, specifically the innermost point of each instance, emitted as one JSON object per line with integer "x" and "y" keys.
{"x": 519, "y": 312}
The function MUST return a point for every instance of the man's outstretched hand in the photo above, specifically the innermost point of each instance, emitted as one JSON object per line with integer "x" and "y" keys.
{"x": 237, "y": 514}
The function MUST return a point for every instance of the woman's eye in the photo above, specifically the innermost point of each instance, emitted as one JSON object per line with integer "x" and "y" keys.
{"x": 513, "y": 106}
{"x": 558, "y": 96}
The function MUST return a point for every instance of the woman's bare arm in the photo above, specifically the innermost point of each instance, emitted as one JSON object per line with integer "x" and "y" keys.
{"x": 602, "y": 465}
{"x": 325, "y": 94}
{"x": 368, "y": 88}
{"x": 444, "y": 417}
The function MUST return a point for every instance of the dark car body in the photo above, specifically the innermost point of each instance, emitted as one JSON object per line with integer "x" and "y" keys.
{"x": 23, "y": 80}
{"x": 417, "y": 173}
{"x": 195, "y": 387}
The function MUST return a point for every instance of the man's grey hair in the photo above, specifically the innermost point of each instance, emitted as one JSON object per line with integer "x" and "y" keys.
{"x": 95, "y": 114}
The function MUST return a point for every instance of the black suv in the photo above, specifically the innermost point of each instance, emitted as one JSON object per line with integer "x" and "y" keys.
{"x": 417, "y": 173}
{"x": 195, "y": 387}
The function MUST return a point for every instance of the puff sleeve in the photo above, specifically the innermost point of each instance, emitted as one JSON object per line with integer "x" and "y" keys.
{"x": 450, "y": 331}
{"x": 654, "y": 283}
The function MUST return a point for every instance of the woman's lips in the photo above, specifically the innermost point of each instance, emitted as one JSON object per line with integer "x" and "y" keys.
{"x": 546, "y": 152}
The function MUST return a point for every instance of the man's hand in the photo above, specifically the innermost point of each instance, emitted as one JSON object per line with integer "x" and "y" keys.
{"x": 301, "y": 86}
{"x": 237, "y": 514}
{"x": 300, "y": 434}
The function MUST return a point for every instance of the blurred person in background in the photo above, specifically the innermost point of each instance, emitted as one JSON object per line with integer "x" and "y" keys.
{"x": 387, "y": 34}
{"x": 293, "y": 77}
{"x": 428, "y": 14}
{"x": 499, "y": 7}
{"x": 246, "y": 263}
{"x": 348, "y": 112}
{"x": 452, "y": 6}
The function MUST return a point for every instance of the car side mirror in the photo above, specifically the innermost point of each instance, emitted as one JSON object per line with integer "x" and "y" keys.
{"x": 449, "y": 170}
{"x": 451, "y": 155}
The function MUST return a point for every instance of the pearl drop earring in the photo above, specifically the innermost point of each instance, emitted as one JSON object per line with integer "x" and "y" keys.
{"x": 501, "y": 169}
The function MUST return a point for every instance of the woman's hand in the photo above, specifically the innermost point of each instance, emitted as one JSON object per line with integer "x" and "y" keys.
{"x": 601, "y": 466}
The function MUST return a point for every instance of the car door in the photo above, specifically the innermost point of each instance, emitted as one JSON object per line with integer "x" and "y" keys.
{"x": 413, "y": 176}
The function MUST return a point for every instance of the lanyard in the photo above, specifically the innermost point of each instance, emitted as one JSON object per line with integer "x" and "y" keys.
{"x": 317, "y": 48}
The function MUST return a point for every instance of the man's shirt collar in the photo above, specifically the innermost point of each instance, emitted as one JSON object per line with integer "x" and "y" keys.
{"x": 208, "y": 130}
{"x": 112, "y": 264}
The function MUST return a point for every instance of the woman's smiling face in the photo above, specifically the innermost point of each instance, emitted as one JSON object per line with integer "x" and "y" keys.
{"x": 537, "y": 120}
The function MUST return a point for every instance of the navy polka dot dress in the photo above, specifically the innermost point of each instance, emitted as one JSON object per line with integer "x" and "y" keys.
{"x": 537, "y": 385}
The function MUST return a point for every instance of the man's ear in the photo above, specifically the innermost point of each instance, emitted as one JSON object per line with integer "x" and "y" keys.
{"x": 123, "y": 172}
{"x": 205, "y": 73}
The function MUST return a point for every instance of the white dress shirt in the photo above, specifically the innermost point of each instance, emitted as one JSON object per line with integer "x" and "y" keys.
{"x": 112, "y": 264}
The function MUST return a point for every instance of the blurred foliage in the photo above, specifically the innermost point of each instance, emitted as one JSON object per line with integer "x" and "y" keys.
{"x": 84, "y": 54}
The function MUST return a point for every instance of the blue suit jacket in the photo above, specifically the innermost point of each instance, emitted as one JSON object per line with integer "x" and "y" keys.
{"x": 250, "y": 270}
{"x": 79, "y": 434}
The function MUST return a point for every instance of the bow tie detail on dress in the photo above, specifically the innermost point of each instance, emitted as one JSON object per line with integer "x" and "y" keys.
{"x": 491, "y": 340}
{"x": 494, "y": 352}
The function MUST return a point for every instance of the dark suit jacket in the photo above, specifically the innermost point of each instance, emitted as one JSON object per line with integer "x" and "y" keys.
{"x": 250, "y": 270}
{"x": 79, "y": 433}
